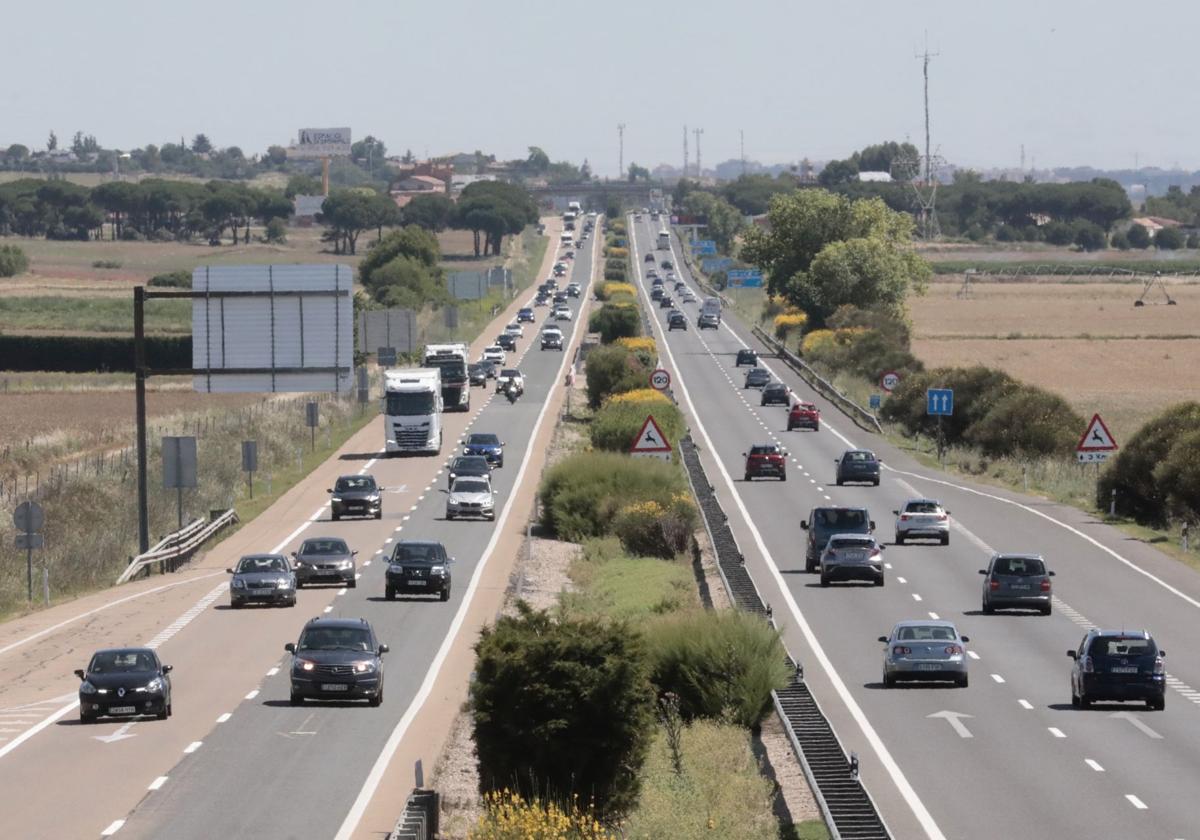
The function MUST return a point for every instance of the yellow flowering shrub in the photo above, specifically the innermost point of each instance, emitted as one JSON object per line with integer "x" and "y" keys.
{"x": 637, "y": 343}
{"x": 816, "y": 341}
{"x": 654, "y": 528}
{"x": 606, "y": 290}
{"x": 786, "y": 322}
{"x": 509, "y": 816}
{"x": 617, "y": 253}
{"x": 639, "y": 395}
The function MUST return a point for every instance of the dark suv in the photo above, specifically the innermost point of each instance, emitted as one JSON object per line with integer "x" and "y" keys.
{"x": 857, "y": 465}
{"x": 337, "y": 659}
{"x": 1016, "y": 581}
{"x": 766, "y": 459}
{"x": 746, "y": 357}
{"x": 1118, "y": 665}
{"x": 355, "y": 495}
{"x": 418, "y": 566}
{"x": 824, "y": 522}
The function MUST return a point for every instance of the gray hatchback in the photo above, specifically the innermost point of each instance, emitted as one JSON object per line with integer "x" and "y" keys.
{"x": 325, "y": 560}
{"x": 263, "y": 579}
{"x": 924, "y": 650}
{"x": 1017, "y": 581}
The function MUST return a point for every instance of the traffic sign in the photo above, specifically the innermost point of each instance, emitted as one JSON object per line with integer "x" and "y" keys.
{"x": 889, "y": 381}
{"x": 660, "y": 380}
{"x": 29, "y": 542}
{"x": 1092, "y": 457}
{"x": 876, "y": 401}
{"x": 703, "y": 246}
{"x": 29, "y": 517}
{"x": 711, "y": 264}
{"x": 744, "y": 277}
{"x": 939, "y": 401}
{"x": 1096, "y": 438}
{"x": 651, "y": 442}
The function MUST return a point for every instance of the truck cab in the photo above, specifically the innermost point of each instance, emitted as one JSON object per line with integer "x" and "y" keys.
{"x": 412, "y": 409}
{"x": 452, "y": 361}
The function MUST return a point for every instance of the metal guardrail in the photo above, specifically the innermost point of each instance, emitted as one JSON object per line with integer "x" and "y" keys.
{"x": 848, "y": 810}
{"x": 178, "y": 545}
{"x": 827, "y": 389}
{"x": 419, "y": 819}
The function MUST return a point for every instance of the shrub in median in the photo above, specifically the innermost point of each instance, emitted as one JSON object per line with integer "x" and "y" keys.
{"x": 605, "y": 290}
{"x": 722, "y": 665}
{"x": 615, "y": 320}
{"x": 618, "y": 421}
{"x": 613, "y": 370}
{"x": 655, "y": 529}
{"x": 1155, "y": 475}
{"x": 509, "y": 816}
{"x": 562, "y": 705}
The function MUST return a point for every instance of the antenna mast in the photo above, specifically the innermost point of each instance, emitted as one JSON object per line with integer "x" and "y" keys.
{"x": 698, "y": 132}
{"x": 919, "y": 171}
{"x": 742, "y": 144}
{"x": 685, "y": 151}
{"x": 621, "y": 146}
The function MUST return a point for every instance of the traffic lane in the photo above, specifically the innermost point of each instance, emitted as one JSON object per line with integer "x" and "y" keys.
{"x": 352, "y": 751}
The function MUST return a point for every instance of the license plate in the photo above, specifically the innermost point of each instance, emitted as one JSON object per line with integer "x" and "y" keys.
{"x": 418, "y": 582}
{"x": 855, "y": 556}
{"x": 928, "y": 667}
{"x": 122, "y": 710}
{"x": 1124, "y": 669}
{"x": 334, "y": 687}
{"x": 1019, "y": 586}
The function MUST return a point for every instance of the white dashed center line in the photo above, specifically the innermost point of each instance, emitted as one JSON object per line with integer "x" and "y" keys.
{"x": 1056, "y": 732}
{"x": 1095, "y": 765}
{"x": 1136, "y": 803}
{"x": 916, "y": 597}
{"x": 998, "y": 678}
{"x": 1025, "y": 704}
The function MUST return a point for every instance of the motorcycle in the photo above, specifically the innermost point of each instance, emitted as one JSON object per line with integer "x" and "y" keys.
{"x": 510, "y": 391}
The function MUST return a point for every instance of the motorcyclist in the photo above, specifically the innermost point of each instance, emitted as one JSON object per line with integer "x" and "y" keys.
{"x": 510, "y": 391}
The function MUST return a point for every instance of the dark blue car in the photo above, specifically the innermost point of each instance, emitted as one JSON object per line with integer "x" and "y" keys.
{"x": 487, "y": 445}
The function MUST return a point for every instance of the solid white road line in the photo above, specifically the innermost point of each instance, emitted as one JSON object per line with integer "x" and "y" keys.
{"x": 113, "y": 828}
{"x": 157, "y": 783}
{"x": 273, "y": 671}
{"x": 226, "y": 716}
{"x": 300, "y": 528}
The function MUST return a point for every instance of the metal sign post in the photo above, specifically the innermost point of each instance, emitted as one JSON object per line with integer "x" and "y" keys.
{"x": 179, "y": 468}
{"x": 29, "y": 519}
{"x": 250, "y": 462}
{"x": 312, "y": 420}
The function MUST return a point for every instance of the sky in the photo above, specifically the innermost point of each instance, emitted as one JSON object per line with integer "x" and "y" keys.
{"x": 1078, "y": 82}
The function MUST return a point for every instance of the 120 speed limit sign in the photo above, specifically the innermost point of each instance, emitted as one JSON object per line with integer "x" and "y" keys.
{"x": 889, "y": 381}
{"x": 660, "y": 380}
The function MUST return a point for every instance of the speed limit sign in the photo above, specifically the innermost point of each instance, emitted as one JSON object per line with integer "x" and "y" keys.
{"x": 889, "y": 381}
{"x": 660, "y": 380}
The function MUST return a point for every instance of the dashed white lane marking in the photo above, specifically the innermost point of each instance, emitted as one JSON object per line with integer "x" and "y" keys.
{"x": 1025, "y": 704}
{"x": 901, "y": 580}
{"x": 385, "y": 542}
{"x": 342, "y": 591}
{"x": 377, "y": 551}
{"x": 398, "y": 527}
{"x": 1056, "y": 732}
{"x": 329, "y": 609}
{"x": 251, "y": 695}
{"x": 934, "y": 616}
{"x": 405, "y": 518}
{"x": 113, "y": 828}
{"x": 972, "y": 654}
{"x": 368, "y": 562}
{"x": 224, "y": 717}
{"x": 888, "y": 566}
{"x": 1136, "y": 803}
{"x": 273, "y": 671}
{"x": 157, "y": 783}
{"x": 916, "y": 597}
{"x": 192, "y": 747}
{"x": 357, "y": 575}
{"x": 997, "y": 678}
{"x": 1095, "y": 765}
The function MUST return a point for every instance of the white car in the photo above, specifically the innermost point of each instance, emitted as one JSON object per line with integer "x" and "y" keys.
{"x": 495, "y": 354}
{"x": 687, "y": 296}
{"x": 507, "y": 375}
{"x": 471, "y": 496}
{"x": 515, "y": 329}
{"x": 562, "y": 313}
{"x": 922, "y": 519}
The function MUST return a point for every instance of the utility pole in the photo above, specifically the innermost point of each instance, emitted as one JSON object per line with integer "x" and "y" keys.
{"x": 928, "y": 154}
{"x": 685, "y": 151}
{"x": 742, "y": 145}
{"x": 697, "y": 132}
{"x": 621, "y": 153}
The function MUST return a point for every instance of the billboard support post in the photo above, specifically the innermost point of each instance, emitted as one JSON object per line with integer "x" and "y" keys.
{"x": 139, "y": 367}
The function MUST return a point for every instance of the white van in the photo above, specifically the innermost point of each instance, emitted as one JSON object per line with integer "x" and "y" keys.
{"x": 664, "y": 240}
{"x": 566, "y": 238}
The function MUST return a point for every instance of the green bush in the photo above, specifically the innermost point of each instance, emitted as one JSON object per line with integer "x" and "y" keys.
{"x": 562, "y": 705}
{"x": 1090, "y": 236}
{"x": 615, "y": 319}
{"x": 173, "y": 279}
{"x": 868, "y": 343}
{"x": 105, "y": 264}
{"x": 608, "y": 582}
{"x": 976, "y": 389}
{"x": 617, "y": 264}
{"x": 1138, "y": 236}
{"x": 12, "y": 261}
{"x": 655, "y": 528}
{"x": 1028, "y": 422}
{"x": 276, "y": 232}
{"x": 582, "y": 494}
{"x": 1154, "y": 476}
{"x": 1120, "y": 241}
{"x": 618, "y": 422}
{"x": 1168, "y": 239}
{"x": 613, "y": 370}
{"x": 721, "y": 664}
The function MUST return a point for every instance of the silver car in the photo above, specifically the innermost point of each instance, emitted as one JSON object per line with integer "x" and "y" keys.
{"x": 1017, "y": 581}
{"x": 924, "y": 650}
{"x": 471, "y": 496}
{"x": 262, "y": 578}
{"x": 922, "y": 519}
{"x": 852, "y": 557}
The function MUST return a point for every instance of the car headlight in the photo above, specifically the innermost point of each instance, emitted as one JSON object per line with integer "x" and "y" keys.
{"x": 86, "y": 687}
{"x": 155, "y": 684}
{"x": 364, "y": 667}
{"x": 438, "y": 570}
{"x": 374, "y": 498}
{"x": 346, "y": 564}
{"x": 304, "y": 665}
{"x": 283, "y": 583}
{"x": 335, "y": 499}
{"x": 238, "y": 583}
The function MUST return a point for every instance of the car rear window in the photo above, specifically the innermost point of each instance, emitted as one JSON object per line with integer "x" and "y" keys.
{"x": 922, "y": 507}
{"x": 851, "y": 542}
{"x": 1019, "y": 566}
{"x": 927, "y": 634}
{"x": 764, "y": 450}
{"x": 840, "y": 518}
{"x": 324, "y": 546}
{"x": 1105, "y": 646}
{"x": 859, "y": 456}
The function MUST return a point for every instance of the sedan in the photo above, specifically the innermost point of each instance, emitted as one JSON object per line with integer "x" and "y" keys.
{"x": 262, "y": 578}
{"x": 1017, "y": 581}
{"x": 857, "y": 465}
{"x": 471, "y": 497}
{"x": 506, "y": 341}
{"x": 124, "y": 682}
{"x": 573, "y": 290}
{"x": 478, "y": 374}
{"x": 665, "y": 302}
{"x": 494, "y": 354}
{"x": 515, "y": 329}
{"x": 468, "y": 465}
{"x": 924, "y": 650}
{"x": 562, "y": 313}
{"x": 486, "y": 444}
{"x": 666, "y": 264}
{"x": 776, "y": 394}
{"x": 688, "y": 296}
{"x": 525, "y": 314}
{"x": 757, "y": 378}
{"x": 325, "y": 560}
{"x": 922, "y": 519}
{"x": 649, "y": 258}
{"x": 852, "y": 557}
{"x": 1118, "y": 665}
{"x": 355, "y": 495}
{"x": 552, "y": 340}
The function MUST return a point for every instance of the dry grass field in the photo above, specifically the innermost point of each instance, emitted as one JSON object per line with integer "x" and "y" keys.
{"x": 1086, "y": 341}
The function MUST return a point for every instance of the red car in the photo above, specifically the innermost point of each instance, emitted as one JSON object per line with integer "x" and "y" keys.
{"x": 804, "y": 416}
{"x": 766, "y": 459}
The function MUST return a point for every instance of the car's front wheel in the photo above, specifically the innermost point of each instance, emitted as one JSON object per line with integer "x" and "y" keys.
{"x": 87, "y": 717}
{"x": 389, "y": 594}
{"x": 446, "y": 594}
{"x": 1157, "y": 704}
{"x": 296, "y": 699}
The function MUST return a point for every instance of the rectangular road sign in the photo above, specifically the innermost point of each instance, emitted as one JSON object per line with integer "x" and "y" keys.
{"x": 939, "y": 401}
{"x": 1092, "y": 457}
{"x": 876, "y": 401}
{"x": 703, "y": 246}
{"x": 179, "y": 462}
{"x": 711, "y": 264}
{"x": 321, "y": 142}
{"x": 28, "y": 542}
{"x": 744, "y": 277}
{"x": 250, "y": 456}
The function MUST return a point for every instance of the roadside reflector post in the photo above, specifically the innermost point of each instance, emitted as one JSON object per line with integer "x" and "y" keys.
{"x": 1183, "y": 530}
{"x": 1112, "y": 504}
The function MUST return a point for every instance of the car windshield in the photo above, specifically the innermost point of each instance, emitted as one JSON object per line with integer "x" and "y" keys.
{"x": 477, "y": 369}
{"x": 250, "y": 565}
{"x": 419, "y": 553}
{"x": 122, "y": 662}
{"x": 922, "y": 507}
{"x": 1105, "y": 646}
{"x": 851, "y": 542}
{"x": 927, "y": 633}
{"x": 1019, "y": 566}
{"x": 405, "y": 405}
{"x": 776, "y": 386}
{"x": 470, "y": 464}
{"x": 483, "y": 440}
{"x": 324, "y": 546}
{"x": 335, "y": 638}
{"x": 759, "y": 373}
{"x": 510, "y": 372}
{"x": 764, "y": 449}
{"x": 849, "y": 520}
{"x": 355, "y": 482}
{"x": 860, "y": 457}
{"x": 465, "y": 485}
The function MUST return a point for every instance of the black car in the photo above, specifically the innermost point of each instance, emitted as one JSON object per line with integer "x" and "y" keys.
{"x": 418, "y": 566}
{"x": 489, "y": 368}
{"x": 746, "y": 357}
{"x": 649, "y": 258}
{"x": 824, "y": 522}
{"x": 325, "y": 560}
{"x": 776, "y": 394}
{"x": 337, "y": 659}
{"x": 757, "y": 378}
{"x": 124, "y": 682}
{"x": 507, "y": 341}
{"x": 676, "y": 321}
{"x": 1118, "y": 665}
{"x": 477, "y": 374}
{"x": 680, "y": 285}
{"x": 464, "y": 465}
{"x": 263, "y": 579}
{"x": 857, "y": 465}
{"x": 573, "y": 290}
{"x": 656, "y": 293}
{"x": 552, "y": 340}
{"x": 560, "y": 297}
{"x": 355, "y": 495}
{"x": 666, "y": 264}
{"x": 665, "y": 302}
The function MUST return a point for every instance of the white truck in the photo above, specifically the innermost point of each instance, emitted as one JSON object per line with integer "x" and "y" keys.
{"x": 710, "y": 314}
{"x": 664, "y": 240}
{"x": 412, "y": 410}
{"x": 452, "y": 361}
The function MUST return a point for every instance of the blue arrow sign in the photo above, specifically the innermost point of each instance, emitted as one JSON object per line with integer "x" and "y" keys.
{"x": 939, "y": 401}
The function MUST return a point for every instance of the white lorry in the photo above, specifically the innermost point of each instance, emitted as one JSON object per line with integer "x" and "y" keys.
{"x": 664, "y": 240}
{"x": 412, "y": 410}
{"x": 710, "y": 314}
{"x": 451, "y": 360}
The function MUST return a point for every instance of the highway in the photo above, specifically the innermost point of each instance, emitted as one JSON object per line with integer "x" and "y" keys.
{"x": 236, "y": 759}
{"x": 1008, "y": 756}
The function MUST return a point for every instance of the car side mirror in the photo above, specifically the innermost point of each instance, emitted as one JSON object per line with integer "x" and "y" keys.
{"x": 330, "y": 490}
{"x": 383, "y": 649}
{"x": 786, "y": 453}
{"x": 883, "y": 639}
{"x": 354, "y": 551}
{"x": 1162, "y": 653}
{"x": 229, "y": 571}
{"x": 883, "y": 548}
{"x": 947, "y": 513}
{"x": 743, "y": 454}
{"x": 1072, "y": 654}
{"x": 837, "y": 460}
{"x": 290, "y": 647}
{"x": 166, "y": 669}
{"x": 79, "y": 673}
{"x": 293, "y": 554}
{"x": 895, "y": 513}
{"x": 1051, "y": 574}
{"x": 872, "y": 524}
{"x": 878, "y": 460}
{"x": 983, "y": 571}
{"x": 965, "y": 638}
{"x": 803, "y": 526}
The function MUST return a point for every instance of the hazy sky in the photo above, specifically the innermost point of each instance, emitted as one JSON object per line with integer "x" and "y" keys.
{"x": 1077, "y": 81}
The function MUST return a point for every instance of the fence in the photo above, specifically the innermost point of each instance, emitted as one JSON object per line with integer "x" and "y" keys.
{"x": 177, "y": 547}
{"x": 419, "y": 819}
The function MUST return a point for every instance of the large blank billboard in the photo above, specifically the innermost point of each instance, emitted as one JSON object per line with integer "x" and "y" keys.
{"x": 273, "y": 328}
